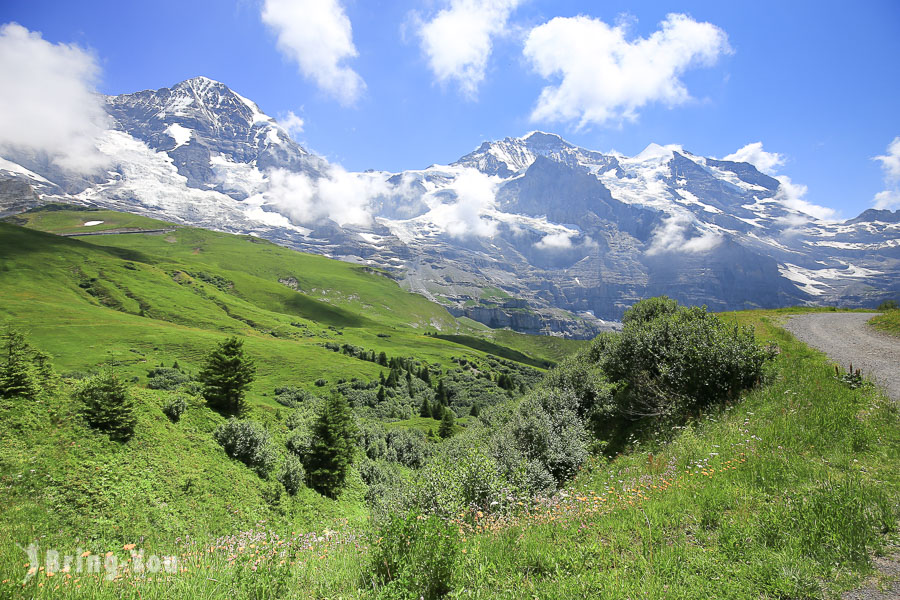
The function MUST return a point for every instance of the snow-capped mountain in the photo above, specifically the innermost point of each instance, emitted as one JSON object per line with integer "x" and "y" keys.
{"x": 532, "y": 233}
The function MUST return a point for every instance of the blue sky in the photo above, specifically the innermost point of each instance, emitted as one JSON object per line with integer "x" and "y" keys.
{"x": 816, "y": 82}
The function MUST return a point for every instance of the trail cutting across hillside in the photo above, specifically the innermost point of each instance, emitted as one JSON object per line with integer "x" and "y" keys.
{"x": 846, "y": 339}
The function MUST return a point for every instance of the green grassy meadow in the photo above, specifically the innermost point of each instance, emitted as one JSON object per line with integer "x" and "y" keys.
{"x": 888, "y": 322}
{"x": 785, "y": 492}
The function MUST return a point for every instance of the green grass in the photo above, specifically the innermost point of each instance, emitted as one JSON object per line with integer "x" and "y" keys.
{"x": 888, "y": 322}
{"x": 495, "y": 349}
{"x": 141, "y": 300}
{"x": 60, "y": 218}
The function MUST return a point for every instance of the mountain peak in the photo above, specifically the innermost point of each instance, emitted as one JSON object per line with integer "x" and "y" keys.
{"x": 656, "y": 152}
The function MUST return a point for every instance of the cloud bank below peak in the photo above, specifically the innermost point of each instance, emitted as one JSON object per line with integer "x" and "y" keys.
{"x": 48, "y": 102}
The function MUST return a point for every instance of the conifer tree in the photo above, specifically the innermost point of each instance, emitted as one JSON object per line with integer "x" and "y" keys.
{"x": 393, "y": 378}
{"x": 106, "y": 405}
{"x": 380, "y": 395}
{"x": 448, "y": 420}
{"x": 226, "y": 376}
{"x": 17, "y": 374}
{"x": 425, "y": 409}
{"x": 437, "y": 410}
{"x": 331, "y": 448}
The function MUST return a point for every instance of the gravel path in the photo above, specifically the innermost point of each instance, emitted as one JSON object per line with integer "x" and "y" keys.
{"x": 846, "y": 339}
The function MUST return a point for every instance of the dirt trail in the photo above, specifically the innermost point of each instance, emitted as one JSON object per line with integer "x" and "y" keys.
{"x": 846, "y": 339}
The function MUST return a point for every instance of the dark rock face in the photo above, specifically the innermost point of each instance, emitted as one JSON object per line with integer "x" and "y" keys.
{"x": 16, "y": 196}
{"x": 555, "y": 239}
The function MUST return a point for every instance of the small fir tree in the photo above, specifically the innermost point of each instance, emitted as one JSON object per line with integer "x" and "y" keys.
{"x": 226, "y": 376}
{"x": 425, "y": 409}
{"x": 105, "y": 404}
{"x": 448, "y": 421}
{"x": 17, "y": 377}
{"x": 331, "y": 448}
{"x": 437, "y": 410}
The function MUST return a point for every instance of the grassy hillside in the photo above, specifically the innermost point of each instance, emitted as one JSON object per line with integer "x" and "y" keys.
{"x": 138, "y": 300}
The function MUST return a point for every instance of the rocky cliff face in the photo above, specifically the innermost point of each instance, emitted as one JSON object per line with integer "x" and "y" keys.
{"x": 532, "y": 233}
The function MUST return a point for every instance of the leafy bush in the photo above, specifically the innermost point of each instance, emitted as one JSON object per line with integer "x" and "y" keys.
{"x": 372, "y": 438}
{"x": 292, "y": 397}
{"x": 415, "y": 556}
{"x": 175, "y": 409}
{"x": 888, "y": 305}
{"x": 668, "y": 364}
{"x": 649, "y": 309}
{"x": 407, "y": 447}
{"x": 383, "y": 480}
{"x": 292, "y": 474}
{"x": 163, "y": 378}
{"x": 549, "y": 434}
{"x": 248, "y": 442}
{"x": 106, "y": 405}
{"x": 463, "y": 476}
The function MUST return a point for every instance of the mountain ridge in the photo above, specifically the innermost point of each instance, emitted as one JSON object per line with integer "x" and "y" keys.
{"x": 574, "y": 234}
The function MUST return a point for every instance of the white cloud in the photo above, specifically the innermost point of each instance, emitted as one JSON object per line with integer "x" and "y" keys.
{"x": 474, "y": 195}
{"x": 605, "y": 77}
{"x": 292, "y": 124}
{"x": 792, "y": 195}
{"x": 344, "y": 197}
{"x": 890, "y": 164}
{"x": 766, "y": 162}
{"x": 458, "y": 40}
{"x": 671, "y": 236}
{"x": 555, "y": 241}
{"x": 317, "y": 35}
{"x": 888, "y": 199}
{"x": 47, "y": 100}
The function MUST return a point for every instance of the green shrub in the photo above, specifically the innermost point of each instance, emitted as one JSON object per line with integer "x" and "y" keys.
{"x": 407, "y": 447}
{"x": 673, "y": 364}
{"x": 292, "y": 397}
{"x": 415, "y": 556}
{"x": 248, "y": 442}
{"x": 888, "y": 305}
{"x": 549, "y": 434}
{"x": 163, "y": 378}
{"x": 105, "y": 404}
{"x": 650, "y": 309}
{"x": 292, "y": 474}
{"x": 175, "y": 409}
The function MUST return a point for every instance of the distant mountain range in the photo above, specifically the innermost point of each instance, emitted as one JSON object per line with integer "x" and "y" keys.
{"x": 531, "y": 233}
